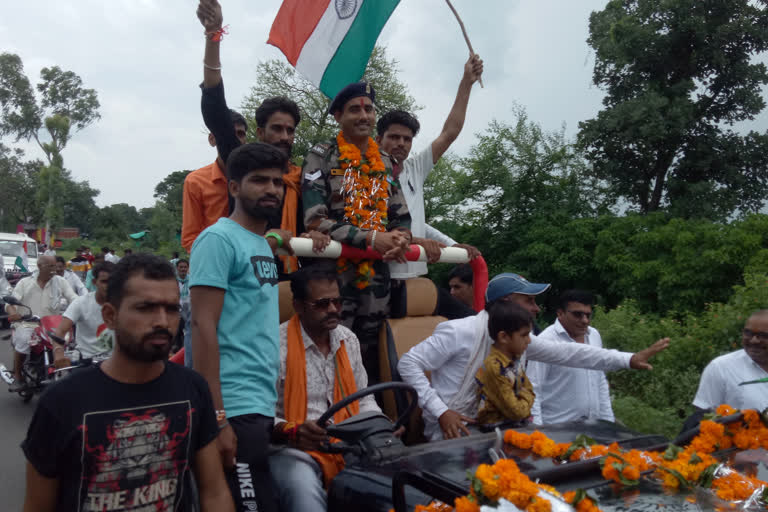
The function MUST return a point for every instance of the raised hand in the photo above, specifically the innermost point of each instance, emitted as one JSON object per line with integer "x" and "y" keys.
{"x": 209, "y": 14}
{"x": 473, "y": 69}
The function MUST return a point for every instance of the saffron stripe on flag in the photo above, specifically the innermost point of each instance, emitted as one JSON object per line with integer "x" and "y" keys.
{"x": 294, "y": 23}
{"x": 349, "y": 62}
{"x": 324, "y": 42}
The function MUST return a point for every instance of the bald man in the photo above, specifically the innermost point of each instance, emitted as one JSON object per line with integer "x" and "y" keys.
{"x": 46, "y": 294}
{"x": 723, "y": 378}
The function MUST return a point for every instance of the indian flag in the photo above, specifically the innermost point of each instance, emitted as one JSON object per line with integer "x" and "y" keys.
{"x": 330, "y": 41}
{"x": 21, "y": 259}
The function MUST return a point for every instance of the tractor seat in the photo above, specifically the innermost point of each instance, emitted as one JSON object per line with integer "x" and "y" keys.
{"x": 396, "y": 337}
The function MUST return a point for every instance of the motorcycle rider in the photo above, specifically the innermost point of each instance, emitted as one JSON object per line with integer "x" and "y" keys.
{"x": 45, "y": 293}
{"x": 74, "y": 281}
{"x": 85, "y": 314}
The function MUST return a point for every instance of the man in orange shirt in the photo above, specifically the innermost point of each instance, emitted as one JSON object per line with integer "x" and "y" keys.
{"x": 205, "y": 191}
{"x": 276, "y": 120}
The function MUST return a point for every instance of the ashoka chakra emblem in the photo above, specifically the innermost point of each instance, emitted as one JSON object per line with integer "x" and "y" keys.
{"x": 345, "y": 8}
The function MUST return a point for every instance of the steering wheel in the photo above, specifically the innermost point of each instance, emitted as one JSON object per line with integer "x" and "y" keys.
{"x": 322, "y": 421}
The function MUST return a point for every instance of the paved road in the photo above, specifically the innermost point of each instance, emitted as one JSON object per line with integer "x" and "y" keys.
{"x": 14, "y": 419}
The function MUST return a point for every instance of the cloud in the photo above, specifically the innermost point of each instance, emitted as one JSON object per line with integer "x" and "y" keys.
{"x": 144, "y": 59}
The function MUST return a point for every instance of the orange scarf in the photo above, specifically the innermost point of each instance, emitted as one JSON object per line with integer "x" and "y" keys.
{"x": 292, "y": 182}
{"x": 295, "y": 394}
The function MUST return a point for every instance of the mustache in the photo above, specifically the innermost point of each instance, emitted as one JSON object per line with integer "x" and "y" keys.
{"x": 158, "y": 332}
{"x": 332, "y": 316}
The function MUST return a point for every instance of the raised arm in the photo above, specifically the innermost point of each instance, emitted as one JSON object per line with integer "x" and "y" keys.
{"x": 455, "y": 120}
{"x": 210, "y": 16}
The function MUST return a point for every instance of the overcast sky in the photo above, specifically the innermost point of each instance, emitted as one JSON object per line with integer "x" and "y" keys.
{"x": 143, "y": 57}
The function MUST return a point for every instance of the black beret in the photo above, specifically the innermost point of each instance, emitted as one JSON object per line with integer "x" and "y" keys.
{"x": 355, "y": 90}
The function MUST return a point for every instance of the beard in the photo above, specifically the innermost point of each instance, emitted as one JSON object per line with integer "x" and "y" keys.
{"x": 140, "y": 349}
{"x": 285, "y": 148}
{"x": 272, "y": 214}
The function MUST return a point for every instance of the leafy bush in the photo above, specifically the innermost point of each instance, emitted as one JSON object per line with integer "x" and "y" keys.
{"x": 660, "y": 400}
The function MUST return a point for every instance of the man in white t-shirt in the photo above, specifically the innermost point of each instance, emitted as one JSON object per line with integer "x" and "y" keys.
{"x": 570, "y": 394}
{"x": 724, "y": 380}
{"x": 85, "y": 314}
{"x": 395, "y": 133}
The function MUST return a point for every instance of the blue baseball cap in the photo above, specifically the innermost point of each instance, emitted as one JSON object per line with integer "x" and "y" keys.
{"x": 507, "y": 283}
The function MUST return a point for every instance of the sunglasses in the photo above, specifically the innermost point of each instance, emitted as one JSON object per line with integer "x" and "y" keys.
{"x": 322, "y": 304}
{"x": 581, "y": 314}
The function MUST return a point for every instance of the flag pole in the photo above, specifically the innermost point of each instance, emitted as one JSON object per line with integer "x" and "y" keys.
{"x": 463, "y": 31}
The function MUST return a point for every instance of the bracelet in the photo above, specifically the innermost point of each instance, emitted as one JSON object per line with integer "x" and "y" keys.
{"x": 221, "y": 415}
{"x": 277, "y": 237}
{"x": 224, "y": 425}
{"x": 217, "y": 35}
{"x": 214, "y": 68}
{"x": 373, "y": 239}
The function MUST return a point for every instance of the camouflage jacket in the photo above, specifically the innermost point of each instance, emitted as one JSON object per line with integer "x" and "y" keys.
{"x": 324, "y": 203}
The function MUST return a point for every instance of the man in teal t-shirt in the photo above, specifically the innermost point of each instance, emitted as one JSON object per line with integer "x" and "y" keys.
{"x": 235, "y": 318}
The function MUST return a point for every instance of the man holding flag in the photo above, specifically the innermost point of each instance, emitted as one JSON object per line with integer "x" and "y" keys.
{"x": 350, "y": 193}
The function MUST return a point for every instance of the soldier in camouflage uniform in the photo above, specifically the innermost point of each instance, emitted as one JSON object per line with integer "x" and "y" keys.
{"x": 365, "y": 309}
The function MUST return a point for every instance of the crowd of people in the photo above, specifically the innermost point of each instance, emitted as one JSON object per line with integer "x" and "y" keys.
{"x": 242, "y": 415}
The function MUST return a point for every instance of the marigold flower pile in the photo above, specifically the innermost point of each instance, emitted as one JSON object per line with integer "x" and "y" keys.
{"x": 676, "y": 468}
{"x": 366, "y": 198}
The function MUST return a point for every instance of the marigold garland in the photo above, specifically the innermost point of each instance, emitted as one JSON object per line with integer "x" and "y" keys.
{"x": 366, "y": 198}
{"x": 676, "y": 468}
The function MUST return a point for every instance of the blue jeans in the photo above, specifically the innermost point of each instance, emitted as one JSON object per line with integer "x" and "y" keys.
{"x": 298, "y": 480}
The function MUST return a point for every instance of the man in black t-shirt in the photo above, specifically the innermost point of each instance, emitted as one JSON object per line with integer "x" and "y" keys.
{"x": 123, "y": 436}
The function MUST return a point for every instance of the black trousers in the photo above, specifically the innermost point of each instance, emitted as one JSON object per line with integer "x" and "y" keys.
{"x": 250, "y": 481}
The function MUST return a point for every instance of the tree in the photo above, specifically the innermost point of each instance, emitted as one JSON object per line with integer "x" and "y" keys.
{"x": 170, "y": 192}
{"x": 64, "y": 106}
{"x": 678, "y": 75}
{"x": 18, "y": 200}
{"x": 276, "y": 78}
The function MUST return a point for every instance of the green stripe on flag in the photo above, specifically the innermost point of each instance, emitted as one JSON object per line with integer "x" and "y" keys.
{"x": 351, "y": 57}
{"x": 20, "y": 263}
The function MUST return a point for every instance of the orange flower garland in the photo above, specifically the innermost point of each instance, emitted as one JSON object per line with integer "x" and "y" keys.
{"x": 676, "y": 468}
{"x": 366, "y": 198}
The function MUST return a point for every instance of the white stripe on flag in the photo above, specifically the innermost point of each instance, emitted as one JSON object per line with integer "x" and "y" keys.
{"x": 321, "y": 46}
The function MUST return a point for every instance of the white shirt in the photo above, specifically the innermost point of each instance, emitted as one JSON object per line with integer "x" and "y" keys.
{"x": 112, "y": 258}
{"x": 568, "y": 394}
{"x": 49, "y": 252}
{"x": 447, "y": 352}
{"x": 85, "y": 313}
{"x": 412, "y": 177}
{"x": 321, "y": 372}
{"x": 720, "y": 383}
{"x": 77, "y": 285}
{"x": 51, "y": 300}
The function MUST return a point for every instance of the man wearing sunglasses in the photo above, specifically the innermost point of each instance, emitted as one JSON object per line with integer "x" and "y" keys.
{"x": 570, "y": 394}
{"x": 320, "y": 363}
{"x": 726, "y": 380}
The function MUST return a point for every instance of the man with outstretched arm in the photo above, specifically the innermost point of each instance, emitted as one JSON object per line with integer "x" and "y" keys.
{"x": 128, "y": 433}
{"x": 457, "y": 349}
{"x": 395, "y": 133}
{"x": 235, "y": 319}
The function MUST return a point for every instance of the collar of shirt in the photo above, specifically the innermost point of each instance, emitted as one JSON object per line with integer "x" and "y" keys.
{"x": 560, "y": 330}
{"x": 335, "y": 335}
{"x": 216, "y": 173}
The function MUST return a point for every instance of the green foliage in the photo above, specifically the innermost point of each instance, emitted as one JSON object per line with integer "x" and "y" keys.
{"x": 658, "y": 401}
{"x": 677, "y": 74}
{"x": 64, "y": 105}
{"x": 276, "y": 78}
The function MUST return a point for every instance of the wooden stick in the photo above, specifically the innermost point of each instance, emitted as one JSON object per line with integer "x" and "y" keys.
{"x": 464, "y": 31}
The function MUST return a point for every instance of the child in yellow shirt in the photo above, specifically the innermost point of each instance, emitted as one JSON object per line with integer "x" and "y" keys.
{"x": 505, "y": 391}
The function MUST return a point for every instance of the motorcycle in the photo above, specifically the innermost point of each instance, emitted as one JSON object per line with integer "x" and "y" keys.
{"x": 38, "y": 369}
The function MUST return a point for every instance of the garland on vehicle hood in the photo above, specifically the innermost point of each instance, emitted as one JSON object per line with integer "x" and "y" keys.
{"x": 676, "y": 468}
